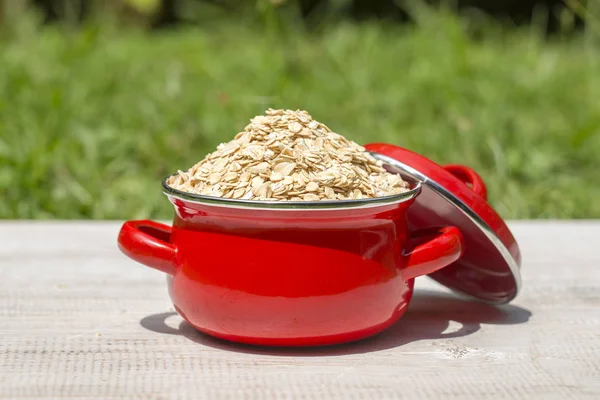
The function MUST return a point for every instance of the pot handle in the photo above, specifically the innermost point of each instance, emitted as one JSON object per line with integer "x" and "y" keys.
{"x": 443, "y": 249}
{"x": 147, "y": 242}
{"x": 468, "y": 175}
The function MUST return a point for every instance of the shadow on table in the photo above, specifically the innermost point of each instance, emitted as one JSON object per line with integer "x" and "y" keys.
{"x": 428, "y": 317}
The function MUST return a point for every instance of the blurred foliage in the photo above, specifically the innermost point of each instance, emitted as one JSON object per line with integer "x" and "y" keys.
{"x": 556, "y": 14}
{"x": 91, "y": 119}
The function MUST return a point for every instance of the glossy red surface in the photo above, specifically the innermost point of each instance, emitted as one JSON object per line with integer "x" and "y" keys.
{"x": 469, "y": 177}
{"x": 482, "y": 272}
{"x": 290, "y": 277}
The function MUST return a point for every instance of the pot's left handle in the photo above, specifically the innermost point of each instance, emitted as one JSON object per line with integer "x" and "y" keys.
{"x": 148, "y": 243}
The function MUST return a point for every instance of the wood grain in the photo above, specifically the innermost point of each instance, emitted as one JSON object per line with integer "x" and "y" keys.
{"x": 80, "y": 320}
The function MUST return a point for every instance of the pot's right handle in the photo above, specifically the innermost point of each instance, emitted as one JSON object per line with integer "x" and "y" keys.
{"x": 445, "y": 246}
{"x": 468, "y": 175}
{"x": 147, "y": 242}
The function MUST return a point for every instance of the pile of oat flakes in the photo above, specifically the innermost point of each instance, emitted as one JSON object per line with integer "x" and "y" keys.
{"x": 287, "y": 155}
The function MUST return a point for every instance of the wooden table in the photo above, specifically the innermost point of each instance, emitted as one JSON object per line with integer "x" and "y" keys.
{"x": 80, "y": 320}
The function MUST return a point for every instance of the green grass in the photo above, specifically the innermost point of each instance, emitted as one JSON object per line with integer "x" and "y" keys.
{"x": 91, "y": 121}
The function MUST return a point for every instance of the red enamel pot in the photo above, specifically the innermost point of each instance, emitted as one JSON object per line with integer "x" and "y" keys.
{"x": 291, "y": 273}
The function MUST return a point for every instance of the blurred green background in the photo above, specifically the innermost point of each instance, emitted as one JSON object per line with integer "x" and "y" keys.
{"x": 99, "y": 100}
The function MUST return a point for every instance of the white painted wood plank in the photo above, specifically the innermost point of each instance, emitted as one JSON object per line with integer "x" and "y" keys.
{"x": 80, "y": 320}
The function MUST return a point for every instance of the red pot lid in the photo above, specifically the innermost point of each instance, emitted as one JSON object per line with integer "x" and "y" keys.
{"x": 489, "y": 269}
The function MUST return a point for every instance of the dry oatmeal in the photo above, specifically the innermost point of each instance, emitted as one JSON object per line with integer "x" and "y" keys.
{"x": 287, "y": 155}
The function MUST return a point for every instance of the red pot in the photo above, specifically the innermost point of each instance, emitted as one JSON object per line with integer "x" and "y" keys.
{"x": 293, "y": 273}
